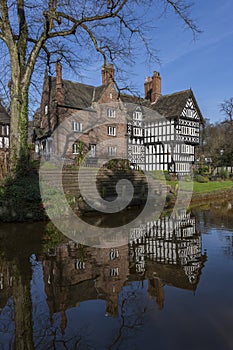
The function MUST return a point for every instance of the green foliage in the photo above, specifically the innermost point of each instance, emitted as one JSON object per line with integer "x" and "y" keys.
{"x": 118, "y": 164}
{"x": 52, "y": 237}
{"x": 224, "y": 174}
{"x": 168, "y": 176}
{"x": 201, "y": 178}
{"x": 20, "y": 199}
{"x": 203, "y": 170}
{"x": 104, "y": 191}
{"x": 81, "y": 152}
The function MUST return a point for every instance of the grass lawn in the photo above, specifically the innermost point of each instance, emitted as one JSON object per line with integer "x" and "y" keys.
{"x": 202, "y": 187}
{"x": 212, "y": 186}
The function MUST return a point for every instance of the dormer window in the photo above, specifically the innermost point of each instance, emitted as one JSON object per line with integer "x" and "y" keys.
{"x": 137, "y": 115}
{"x": 111, "y": 113}
{"x": 110, "y": 96}
{"x": 77, "y": 127}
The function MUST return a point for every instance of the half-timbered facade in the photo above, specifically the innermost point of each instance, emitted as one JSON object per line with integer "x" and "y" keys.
{"x": 168, "y": 136}
{"x": 156, "y": 132}
{"x": 135, "y": 141}
{"x": 170, "y": 241}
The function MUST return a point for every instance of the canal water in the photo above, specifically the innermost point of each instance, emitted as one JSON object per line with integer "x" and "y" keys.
{"x": 170, "y": 287}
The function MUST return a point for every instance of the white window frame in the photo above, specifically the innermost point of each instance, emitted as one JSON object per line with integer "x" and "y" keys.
{"x": 137, "y": 115}
{"x": 77, "y": 126}
{"x": 190, "y": 113}
{"x": 75, "y": 149}
{"x": 92, "y": 151}
{"x": 136, "y": 149}
{"x": 112, "y": 151}
{"x": 111, "y": 130}
{"x": 6, "y": 142}
{"x": 111, "y": 113}
{"x": 114, "y": 272}
{"x": 137, "y": 131}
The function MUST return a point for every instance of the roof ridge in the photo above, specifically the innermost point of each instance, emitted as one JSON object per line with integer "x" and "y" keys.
{"x": 84, "y": 84}
{"x": 175, "y": 93}
{"x": 76, "y": 82}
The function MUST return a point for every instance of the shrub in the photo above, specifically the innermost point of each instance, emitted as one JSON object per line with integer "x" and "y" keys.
{"x": 201, "y": 179}
{"x": 224, "y": 174}
{"x": 168, "y": 176}
{"x": 118, "y": 164}
{"x": 203, "y": 170}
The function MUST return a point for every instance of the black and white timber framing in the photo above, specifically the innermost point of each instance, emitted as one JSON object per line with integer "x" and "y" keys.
{"x": 167, "y": 141}
{"x": 168, "y": 241}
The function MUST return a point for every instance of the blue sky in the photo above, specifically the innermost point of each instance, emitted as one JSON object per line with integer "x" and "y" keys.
{"x": 204, "y": 64}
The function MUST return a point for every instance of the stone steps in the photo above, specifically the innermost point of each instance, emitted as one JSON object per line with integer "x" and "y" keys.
{"x": 106, "y": 182}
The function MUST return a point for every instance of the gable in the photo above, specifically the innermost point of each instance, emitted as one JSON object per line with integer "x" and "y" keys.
{"x": 190, "y": 110}
{"x": 175, "y": 105}
{"x": 106, "y": 93}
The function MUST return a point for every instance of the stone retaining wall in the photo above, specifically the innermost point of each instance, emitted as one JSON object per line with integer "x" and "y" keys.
{"x": 199, "y": 198}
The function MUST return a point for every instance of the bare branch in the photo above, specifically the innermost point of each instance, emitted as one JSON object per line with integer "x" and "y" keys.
{"x": 227, "y": 108}
{"x": 182, "y": 9}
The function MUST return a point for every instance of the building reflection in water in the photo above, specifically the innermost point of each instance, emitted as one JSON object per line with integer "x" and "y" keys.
{"x": 167, "y": 251}
{"x": 163, "y": 252}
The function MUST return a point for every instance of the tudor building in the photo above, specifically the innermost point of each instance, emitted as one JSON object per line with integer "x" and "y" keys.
{"x": 164, "y": 130}
{"x": 154, "y": 133}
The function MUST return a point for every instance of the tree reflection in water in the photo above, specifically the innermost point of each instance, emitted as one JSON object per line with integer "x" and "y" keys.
{"x": 50, "y": 278}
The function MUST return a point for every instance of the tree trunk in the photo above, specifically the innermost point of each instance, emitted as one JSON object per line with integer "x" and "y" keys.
{"x": 23, "y": 310}
{"x": 19, "y": 155}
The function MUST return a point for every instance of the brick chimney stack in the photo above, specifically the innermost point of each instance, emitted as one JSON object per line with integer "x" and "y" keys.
{"x": 107, "y": 73}
{"x": 59, "y": 84}
{"x": 148, "y": 88}
{"x": 152, "y": 87}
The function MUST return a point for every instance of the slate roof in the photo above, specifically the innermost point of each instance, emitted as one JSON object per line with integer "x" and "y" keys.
{"x": 78, "y": 95}
{"x": 172, "y": 105}
{"x": 81, "y": 96}
{"x": 4, "y": 116}
{"x": 134, "y": 99}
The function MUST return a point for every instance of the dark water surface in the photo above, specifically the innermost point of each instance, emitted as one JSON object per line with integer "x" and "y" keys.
{"x": 171, "y": 287}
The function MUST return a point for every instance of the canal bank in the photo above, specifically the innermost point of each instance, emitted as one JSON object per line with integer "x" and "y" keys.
{"x": 20, "y": 200}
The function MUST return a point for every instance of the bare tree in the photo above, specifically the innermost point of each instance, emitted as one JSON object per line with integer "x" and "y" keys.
{"x": 226, "y": 107}
{"x": 31, "y": 30}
